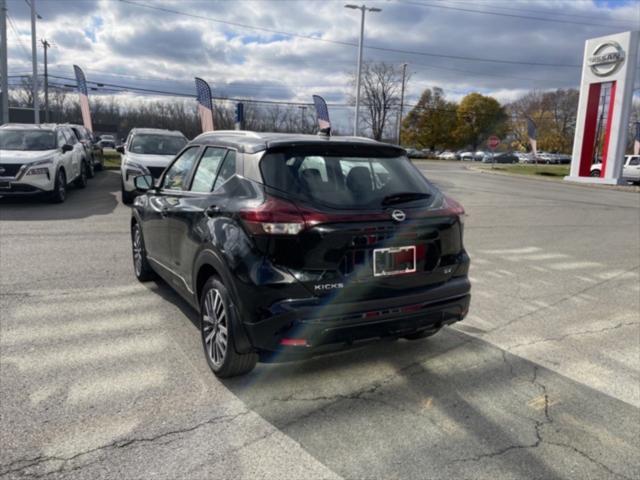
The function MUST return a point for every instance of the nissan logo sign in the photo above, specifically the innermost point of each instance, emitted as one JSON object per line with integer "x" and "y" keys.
{"x": 398, "y": 215}
{"x": 607, "y": 58}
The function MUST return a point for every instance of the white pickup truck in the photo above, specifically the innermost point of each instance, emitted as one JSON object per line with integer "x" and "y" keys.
{"x": 630, "y": 171}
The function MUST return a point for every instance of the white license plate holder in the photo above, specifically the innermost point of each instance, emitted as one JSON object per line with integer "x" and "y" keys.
{"x": 394, "y": 261}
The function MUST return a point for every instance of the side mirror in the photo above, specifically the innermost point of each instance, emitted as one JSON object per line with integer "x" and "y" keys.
{"x": 143, "y": 182}
{"x": 66, "y": 148}
{"x": 120, "y": 149}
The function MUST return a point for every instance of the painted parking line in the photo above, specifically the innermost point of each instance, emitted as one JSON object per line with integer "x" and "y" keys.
{"x": 574, "y": 265}
{"x": 512, "y": 251}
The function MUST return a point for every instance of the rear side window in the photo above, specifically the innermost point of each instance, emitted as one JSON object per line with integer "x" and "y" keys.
{"x": 343, "y": 181}
{"x": 227, "y": 170}
{"x": 207, "y": 169}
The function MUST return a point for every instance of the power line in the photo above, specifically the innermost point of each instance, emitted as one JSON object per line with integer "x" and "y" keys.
{"x": 527, "y": 10}
{"x": 500, "y": 14}
{"x": 350, "y": 44}
{"x": 17, "y": 35}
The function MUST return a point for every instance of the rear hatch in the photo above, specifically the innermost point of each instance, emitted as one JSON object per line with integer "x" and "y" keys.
{"x": 355, "y": 223}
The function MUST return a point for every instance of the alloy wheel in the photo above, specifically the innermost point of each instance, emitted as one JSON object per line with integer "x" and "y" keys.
{"x": 215, "y": 326}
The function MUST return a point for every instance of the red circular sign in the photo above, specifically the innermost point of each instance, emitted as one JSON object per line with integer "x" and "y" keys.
{"x": 493, "y": 141}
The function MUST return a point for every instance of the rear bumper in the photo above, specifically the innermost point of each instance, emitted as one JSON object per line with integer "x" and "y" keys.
{"x": 304, "y": 326}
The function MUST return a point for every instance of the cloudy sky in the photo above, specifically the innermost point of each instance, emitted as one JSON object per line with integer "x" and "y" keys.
{"x": 289, "y": 49}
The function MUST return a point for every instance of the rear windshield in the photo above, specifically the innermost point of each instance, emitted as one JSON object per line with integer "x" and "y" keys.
{"x": 344, "y": 181}
{"x": 157, "y": 144}
{"x": 27, "y": 140}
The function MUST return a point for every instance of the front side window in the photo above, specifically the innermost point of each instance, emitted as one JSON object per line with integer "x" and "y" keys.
{"x": 71, "y": 137}
{"x": 178, "y": 173}
{"x": 634, "y": 161}
{"x": 27, "y": 140}
{"x": 345, "y": 181}
{"x": 207, "y": 169}
{"x": 152, "y": 144}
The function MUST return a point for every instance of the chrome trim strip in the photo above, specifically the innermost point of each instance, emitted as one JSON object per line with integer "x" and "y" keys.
{"x": 172, "y": 272}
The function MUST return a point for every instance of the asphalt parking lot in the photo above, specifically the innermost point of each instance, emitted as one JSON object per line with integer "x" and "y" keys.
{"x": 103, "y": 377}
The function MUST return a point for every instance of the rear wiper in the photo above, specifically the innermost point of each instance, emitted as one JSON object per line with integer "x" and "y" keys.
{"x": 404, "y": 197}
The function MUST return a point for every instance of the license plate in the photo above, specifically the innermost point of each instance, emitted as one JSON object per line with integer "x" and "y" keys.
{"x": 394, "y": 261}
{"x": 5, "y": 185}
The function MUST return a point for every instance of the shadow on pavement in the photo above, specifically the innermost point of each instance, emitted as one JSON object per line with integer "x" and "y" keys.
{"x": 98, "y": 198}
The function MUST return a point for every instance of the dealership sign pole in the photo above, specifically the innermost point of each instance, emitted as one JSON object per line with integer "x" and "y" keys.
{"x": 606, "y": 90}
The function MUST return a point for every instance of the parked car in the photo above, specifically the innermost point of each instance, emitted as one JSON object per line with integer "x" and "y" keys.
{"x": 292, "y": 244}
{"x": 92, "y": 150}
{"x": 147, "y": 151}
{"x": 107, "y": 141}
{"x": 630, "y": 170}
{"x": 40, "y": 159}
{"x": 467, "y": 156}
{"x": 447, "y": 155}
{"x": 500, "y": 157}
{"x": 415, "y": 153}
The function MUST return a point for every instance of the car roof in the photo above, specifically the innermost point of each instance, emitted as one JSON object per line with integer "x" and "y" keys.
{"x": 158, "y": 131}
{"x": 252, "y": 142}
{"x": 29, "y": 126}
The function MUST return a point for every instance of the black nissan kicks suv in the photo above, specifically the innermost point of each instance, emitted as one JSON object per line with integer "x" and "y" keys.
{"x": 297, "y": 244}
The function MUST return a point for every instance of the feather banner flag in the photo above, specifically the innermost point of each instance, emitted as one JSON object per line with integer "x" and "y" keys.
{"x": 84, "y": 97}
{"x": 532, "y": 132}
{"x": 636, "y": 140}
{"x": 322, "y": 112}
{"x": 205, "y": 105}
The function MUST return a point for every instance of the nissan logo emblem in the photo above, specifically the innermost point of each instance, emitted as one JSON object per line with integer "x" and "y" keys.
{"x": 607, "y": 58}
{"x": 398, "y": 215}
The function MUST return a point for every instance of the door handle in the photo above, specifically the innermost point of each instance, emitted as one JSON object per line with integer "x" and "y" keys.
{"x": 212, "y": 211}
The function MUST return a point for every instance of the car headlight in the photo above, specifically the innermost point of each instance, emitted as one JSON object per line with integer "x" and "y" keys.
{"x": 40, "y": 167}
{"x": 133, "y": 169}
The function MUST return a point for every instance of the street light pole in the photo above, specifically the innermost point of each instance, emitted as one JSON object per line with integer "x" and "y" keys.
{"x": 363, "y": 8}
{"x": 404, "y": 79}
{"x": 4, "y": 86}
{"x": 34, "y": 64}
{"x": 45, "y": 46}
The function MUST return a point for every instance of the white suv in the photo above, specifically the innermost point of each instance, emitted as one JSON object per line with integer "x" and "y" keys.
{"x": 37, "y": 159}
{"x": 630, "y": 170}
{"x": 147, "y": 151}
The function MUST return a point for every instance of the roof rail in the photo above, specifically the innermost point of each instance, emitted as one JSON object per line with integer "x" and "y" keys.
{"x": 237, "y": 133}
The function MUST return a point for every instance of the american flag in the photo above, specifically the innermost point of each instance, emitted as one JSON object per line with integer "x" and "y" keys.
{"x": 532, "y": 132}
{"x": 322, "y": 112}
{"x": 84, "y": 97}
{"x": 205, "y": 105}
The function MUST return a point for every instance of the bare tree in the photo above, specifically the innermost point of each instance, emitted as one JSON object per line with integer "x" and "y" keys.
{"x": 381, "y": 84}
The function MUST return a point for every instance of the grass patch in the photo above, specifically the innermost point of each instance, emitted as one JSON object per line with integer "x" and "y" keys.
{"x": 548, "y": 171}
{"x": 112, "y": 160}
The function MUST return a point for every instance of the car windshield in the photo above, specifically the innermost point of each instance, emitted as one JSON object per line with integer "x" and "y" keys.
{"x": 27, "y": 140}
{"x": 157, "y": 144}
{"x": 346, "y": 181}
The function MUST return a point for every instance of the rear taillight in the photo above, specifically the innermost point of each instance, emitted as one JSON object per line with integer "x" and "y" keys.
{"x": 274, "y": 217}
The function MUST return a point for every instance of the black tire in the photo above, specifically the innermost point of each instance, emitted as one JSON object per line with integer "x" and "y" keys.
{"x": 90, "y": 169}
{"x": 217, "y": 321}
{"x": 59, "y": 193}
{"x": 595, "y": 173}
{"x": 100, "y": 165}
{"x": 127, "y": 197}
{"x": 422, "y": 334}
{"x": 141, "y": 267}
{"x": 81, "y": 181}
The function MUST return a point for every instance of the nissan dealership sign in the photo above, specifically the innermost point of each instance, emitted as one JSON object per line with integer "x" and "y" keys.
{"x": 607, "y": 58}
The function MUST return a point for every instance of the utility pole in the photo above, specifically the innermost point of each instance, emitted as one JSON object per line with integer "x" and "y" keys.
{"x": 4, "y": 85}
{"x": 45, "y": 46}
{"x": 363, "y": 8}
{"x": 34, "y": 64}
{"x": 404, "y": 79}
